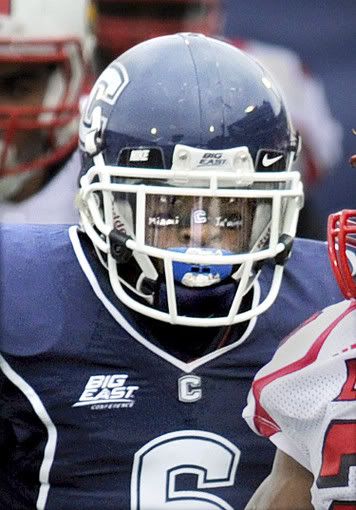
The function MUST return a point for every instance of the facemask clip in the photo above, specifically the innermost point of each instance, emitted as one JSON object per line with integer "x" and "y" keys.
{"x": 118, "y": 248}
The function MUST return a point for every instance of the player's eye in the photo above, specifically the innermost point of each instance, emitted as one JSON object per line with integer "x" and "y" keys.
{"x": 234, "y": 221}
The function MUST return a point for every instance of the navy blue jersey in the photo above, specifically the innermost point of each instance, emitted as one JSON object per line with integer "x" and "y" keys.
{"x": 94, "y": 415}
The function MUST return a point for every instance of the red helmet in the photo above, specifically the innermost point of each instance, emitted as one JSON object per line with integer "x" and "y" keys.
{"x": 341, "y": 236}
{"x": 44, "y": 35}
{"x": 120, "y": 24}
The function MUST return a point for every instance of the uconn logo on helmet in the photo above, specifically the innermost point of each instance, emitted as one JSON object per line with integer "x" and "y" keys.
{"x": 104, "y": 94}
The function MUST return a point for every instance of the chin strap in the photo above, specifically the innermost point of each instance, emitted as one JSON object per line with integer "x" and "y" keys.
{"x": 118, "y": 249}
{"x": 284, "y": 255}
{"x": 145, "y": 286}
{"x": 213, "y": 301}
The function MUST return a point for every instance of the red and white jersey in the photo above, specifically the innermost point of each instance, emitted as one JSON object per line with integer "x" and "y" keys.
{"x": 55, "y": 203}
{"x": 304, "y": 401}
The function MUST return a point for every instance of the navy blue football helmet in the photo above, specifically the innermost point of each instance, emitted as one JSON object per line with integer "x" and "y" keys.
{"x": 187, "y": 185}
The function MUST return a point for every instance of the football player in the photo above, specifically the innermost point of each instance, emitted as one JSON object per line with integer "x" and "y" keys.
{"x": 118, "y": 25}
{"x": 44, "y": 52}
{"x": 304, "y": 400}
{"x": 128, "y": 345}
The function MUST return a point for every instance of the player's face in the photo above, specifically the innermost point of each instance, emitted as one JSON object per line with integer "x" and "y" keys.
{"x": 199, "y": 222}
{"x": 22, "y": 86}
{"x": 22, "y": 90}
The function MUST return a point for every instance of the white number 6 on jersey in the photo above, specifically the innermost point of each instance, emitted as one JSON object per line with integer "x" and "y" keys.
{"x": 156, "y": 466}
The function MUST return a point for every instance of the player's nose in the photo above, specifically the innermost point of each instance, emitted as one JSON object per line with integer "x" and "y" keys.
{"x": 203, "y": 236}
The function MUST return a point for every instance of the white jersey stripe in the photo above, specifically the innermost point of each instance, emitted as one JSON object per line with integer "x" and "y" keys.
{"x": 42, "y": 414}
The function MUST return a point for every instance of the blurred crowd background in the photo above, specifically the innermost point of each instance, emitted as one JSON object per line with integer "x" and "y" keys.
{"x": 323, "y": 34}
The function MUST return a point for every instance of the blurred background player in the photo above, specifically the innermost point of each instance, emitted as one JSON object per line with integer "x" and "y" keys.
{"x": 44, "y": 69}
{"x": 304, "y": 400}
{"x": 118, "y": 24}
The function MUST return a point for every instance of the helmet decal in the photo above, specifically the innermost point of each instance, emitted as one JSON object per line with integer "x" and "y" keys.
{"x": 107, "y": 89}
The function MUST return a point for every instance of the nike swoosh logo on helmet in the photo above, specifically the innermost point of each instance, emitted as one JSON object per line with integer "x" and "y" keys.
{"x": 268, "y": 162}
